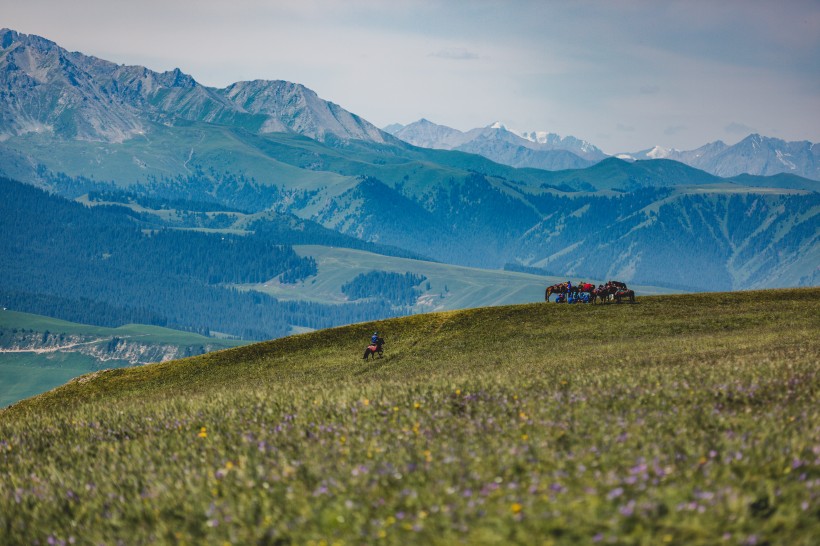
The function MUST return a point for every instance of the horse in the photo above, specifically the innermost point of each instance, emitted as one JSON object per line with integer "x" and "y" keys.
{"x": 586, "y": 287}
{"x": 602, "y": 293}
{"x": 375, "y": 348}
{"x": 622, "y": 294}
{"x": 559, "y": 288}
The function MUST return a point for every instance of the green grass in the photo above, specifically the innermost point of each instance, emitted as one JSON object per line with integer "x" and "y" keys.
{"x": 689, "y": 419}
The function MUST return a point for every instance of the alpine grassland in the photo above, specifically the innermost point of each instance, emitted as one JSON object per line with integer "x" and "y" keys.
{"x": 684, "y": 419}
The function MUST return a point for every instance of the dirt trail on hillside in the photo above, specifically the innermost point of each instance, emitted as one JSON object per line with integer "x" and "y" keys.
{"x": 42, "y": 350}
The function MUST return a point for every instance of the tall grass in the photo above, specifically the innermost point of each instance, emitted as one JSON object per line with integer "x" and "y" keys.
{"x": 682, "y": 419}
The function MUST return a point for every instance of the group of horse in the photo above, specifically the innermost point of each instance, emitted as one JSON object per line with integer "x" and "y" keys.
{"x": 588, "y": 293}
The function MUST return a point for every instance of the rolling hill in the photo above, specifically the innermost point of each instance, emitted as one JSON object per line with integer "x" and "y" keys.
{"x": 680, "y": 419}
{"x": 38, "y": 353}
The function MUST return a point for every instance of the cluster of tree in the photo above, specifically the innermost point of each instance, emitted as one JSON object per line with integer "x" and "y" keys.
{"x": 101, "y": 266}
{"x": 395, "y": 288}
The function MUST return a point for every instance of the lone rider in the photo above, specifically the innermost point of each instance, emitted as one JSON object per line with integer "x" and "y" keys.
{"x": 374, "y": 338}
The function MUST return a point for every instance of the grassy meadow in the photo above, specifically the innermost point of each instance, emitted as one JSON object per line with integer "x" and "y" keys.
{"x": 685, "y": 419}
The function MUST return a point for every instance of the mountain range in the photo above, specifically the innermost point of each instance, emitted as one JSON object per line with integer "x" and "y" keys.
{"x": 273, "y": 163}
{"x": 75, "y": 96}
{"x": 535, "y": 150}
{"x": 754, "y": 154}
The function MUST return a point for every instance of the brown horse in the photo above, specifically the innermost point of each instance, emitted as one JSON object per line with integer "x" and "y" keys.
{"x": 374, "y": 349}
{"x": 602, "y": 294}
{"x": 559, "y": 288}
{"x": 625, "y": 294}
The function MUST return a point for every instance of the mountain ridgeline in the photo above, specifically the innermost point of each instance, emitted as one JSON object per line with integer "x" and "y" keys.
{"x": 197, "y": 193}
{"x": 754, "y": 154}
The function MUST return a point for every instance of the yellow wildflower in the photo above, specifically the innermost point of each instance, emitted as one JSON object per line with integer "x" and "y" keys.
{"x": 202, "y": 433}
{"x": 516, "y": 508}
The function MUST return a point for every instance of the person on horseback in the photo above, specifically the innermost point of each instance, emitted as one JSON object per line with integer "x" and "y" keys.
{"x": 375, "y": 347}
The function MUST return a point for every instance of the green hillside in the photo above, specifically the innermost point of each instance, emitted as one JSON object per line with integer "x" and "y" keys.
{"x": 688, "y": 419}
{"x": 451, "y": 287}
{"x": 39, "y": 353}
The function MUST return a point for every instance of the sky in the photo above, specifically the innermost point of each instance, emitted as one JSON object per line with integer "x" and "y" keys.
{"x": 625, "y": 75}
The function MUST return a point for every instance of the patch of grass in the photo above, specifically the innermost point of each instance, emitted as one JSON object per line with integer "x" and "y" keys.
{"x": 687, "y": 419}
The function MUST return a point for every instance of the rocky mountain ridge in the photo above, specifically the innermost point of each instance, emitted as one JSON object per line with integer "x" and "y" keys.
{"x": 755, "y": 154}
{"x": 75, "y": 96}
{"x": 539, "y": 150}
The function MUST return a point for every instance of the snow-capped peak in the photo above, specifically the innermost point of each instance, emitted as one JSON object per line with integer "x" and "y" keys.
{"x": 659, "y": 153}
{"x": 498, "y": 125}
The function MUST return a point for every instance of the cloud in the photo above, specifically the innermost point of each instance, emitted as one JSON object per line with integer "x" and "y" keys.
{"x": 736, "y": 128}
{"x": 455, "y": 53}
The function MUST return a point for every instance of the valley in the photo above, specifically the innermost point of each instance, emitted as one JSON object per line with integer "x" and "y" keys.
{"x": 38, "y": 353}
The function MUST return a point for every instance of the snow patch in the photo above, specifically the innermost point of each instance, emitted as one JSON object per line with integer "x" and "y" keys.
{"x": 658, "y": 153}
{"x": 781, "y": 157}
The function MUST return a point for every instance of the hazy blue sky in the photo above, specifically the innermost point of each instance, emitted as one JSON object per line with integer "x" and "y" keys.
{"x": 625, "y": 75}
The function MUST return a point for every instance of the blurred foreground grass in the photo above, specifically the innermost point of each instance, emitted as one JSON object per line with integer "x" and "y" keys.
{"x": 687, "y": 419}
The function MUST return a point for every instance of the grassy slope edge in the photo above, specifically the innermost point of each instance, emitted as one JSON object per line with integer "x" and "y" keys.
{"x": 682, "y": 419}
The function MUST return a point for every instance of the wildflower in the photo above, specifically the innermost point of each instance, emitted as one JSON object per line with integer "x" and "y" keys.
{"x": 416, "y": 405}
{"x": 516, "y": 508}
{"x": 615, "y": 493}
{"x": 202, "y": 433}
